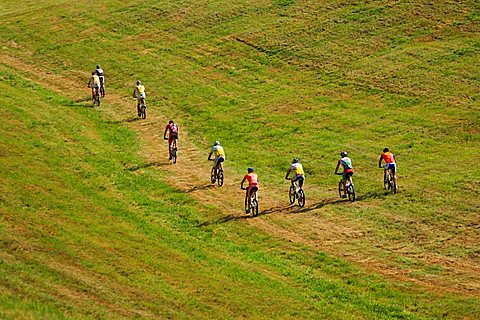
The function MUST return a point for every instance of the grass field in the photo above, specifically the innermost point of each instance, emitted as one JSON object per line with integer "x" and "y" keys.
{"x": 96, "y": 223}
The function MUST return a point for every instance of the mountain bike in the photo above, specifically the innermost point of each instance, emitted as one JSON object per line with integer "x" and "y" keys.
{"x": 217, "y": 174}
{"x": 350, "y": 189}
{"x": 253, "y": 203}
{"x": 172, "y": 150}
{"x": 299, "y": 195}
{"x": 389, "y": 180}
{"x": 142, "y": 111}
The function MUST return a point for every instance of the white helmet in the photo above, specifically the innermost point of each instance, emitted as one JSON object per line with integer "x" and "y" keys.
{"x": 216, "y": 143}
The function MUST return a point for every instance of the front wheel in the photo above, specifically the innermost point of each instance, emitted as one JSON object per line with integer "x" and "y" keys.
{"x": 301, "y": 198}
{"x": 291, "y": 194}
{"x": 213, "y": 177}
{"x": 340, "y": 189}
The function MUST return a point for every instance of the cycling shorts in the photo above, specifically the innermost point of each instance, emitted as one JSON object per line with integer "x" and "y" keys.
{"x": 172, "y": 136}
{"x": 298, "y": 177}
{"x": 102, "y": 79}
{"x": 219, "y": 159}
{"x": 251, "y": 189}
{"x": 94, "y": 85}
{"x": 392, "y": 166}
{"x": 347, "y": 174}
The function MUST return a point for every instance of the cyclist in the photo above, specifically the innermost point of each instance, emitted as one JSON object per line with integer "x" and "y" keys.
{"x": 299, "y": 174}
{"x": 390, "y": 163}
{"x": 172, "y": 129}
{"x": 219, "y": 153}
{"x": 252, "y": 179}
{"x": 346, "y": 163}
{"x": 99, "y": 72}
{"x": 94, "y": 83}
{"x": 140, "y": 94}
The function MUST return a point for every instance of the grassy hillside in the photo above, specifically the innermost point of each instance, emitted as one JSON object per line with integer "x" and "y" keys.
{"x": 270, "y": 80}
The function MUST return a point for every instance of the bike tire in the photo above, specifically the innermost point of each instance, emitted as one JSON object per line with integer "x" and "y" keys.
{"x": 301, "y": 198}
{"x": 220, "y": 178}
{"x": 174, "y": 156}
{"x": 143, "y": 112}
{"x": 291, "y": 194}
{"x": 213, "y": 177}
{"x": 394, "y": 187}
{"x": 351, "y": 193}
{"x": 254, "y": 207}
{"x": 340, "y": 189}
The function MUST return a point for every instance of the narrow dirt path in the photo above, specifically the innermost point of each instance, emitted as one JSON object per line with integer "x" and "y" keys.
{"x": 192, "y": 174}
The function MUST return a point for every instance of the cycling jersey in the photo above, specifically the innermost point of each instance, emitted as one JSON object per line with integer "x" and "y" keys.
{"x": 140, "y": 91}
{"x": 388, "y": 157}
{"x": 95, "y": 80}
{"x": 297, "y": 168}
{"x": 218, "y": 152}
{"x": 172, "y": 128}
{"x": 252, "y": 179}
{"x": 346, "y": 163}
{"x": 99, "y": 72}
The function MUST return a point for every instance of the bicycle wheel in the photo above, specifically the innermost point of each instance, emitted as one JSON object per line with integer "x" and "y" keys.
{"x": 394, "y": 186}
{"x": 351, "y": 192}
{"x": 143, "y": 111}
{"x": 386, "y": 181}
{"x": 291, "y": 194}
{"x": 174, "y": 155}
{"x": 213, "y": 177}
{"x": 102, "y": 91}
{"x": 220, "y": 178}
{"x": 301, "y": 198}
{"x": 340, "y": 189}
{"x": 97, "y": 100}
{"x": 254, "y": 206}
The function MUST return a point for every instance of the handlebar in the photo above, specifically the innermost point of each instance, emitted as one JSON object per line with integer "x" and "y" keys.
{"x": 243, "y": 188}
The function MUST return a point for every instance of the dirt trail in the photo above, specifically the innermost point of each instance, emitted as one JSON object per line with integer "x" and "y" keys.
{"x": 192, "y": 174}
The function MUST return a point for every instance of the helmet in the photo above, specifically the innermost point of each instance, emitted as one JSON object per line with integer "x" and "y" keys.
{"x": 343, "y": 154}
{"x": 216, "y": 143}
{"x": 138, "y": 82}
{"x": 171, "y": 121}
{"x": 98, "y": 66}
{"x": 386, "y": 149}
{"x": 295, "y": 160}
{"x": 250, "y": 169}
{"x": 93, "y": 73}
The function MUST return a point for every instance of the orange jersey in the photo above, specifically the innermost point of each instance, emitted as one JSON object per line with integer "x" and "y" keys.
{"x": 388, "y": 157}
{"x": 252, "y": 179}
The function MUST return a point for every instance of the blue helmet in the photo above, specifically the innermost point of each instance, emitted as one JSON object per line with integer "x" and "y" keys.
{"x": 216, "y": 143}
{"x": 250, "y": 169}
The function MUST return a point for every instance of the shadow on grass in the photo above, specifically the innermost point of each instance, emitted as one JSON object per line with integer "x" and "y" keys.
{"x": 135, "y": 167}
{"x": 200, "y": 187}
{"x": 230, "y": 217}
{"x": 132, "y": 119}
{"x": 79, "y": 103}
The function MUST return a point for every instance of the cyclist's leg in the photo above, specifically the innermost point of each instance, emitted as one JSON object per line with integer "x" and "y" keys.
{"x": 394, "y": 171}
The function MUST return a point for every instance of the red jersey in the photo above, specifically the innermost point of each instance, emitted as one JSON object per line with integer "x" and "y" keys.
{"x": 172, "y": 128}
{"x": 388, "y": 157}
{"x": 252, "y": 179}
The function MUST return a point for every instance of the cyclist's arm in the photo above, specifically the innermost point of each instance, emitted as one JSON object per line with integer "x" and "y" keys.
{"x": 288, "y": 173}
{"x": 165, "y": 133}
{"x": 134, "y": 91}
{"x": 380, "y": 162}
{"x": 338, "y": 165}
{"x": 241, "y": 183}
{"x": 209, "y": 155}
{"x": 89, "y": 81}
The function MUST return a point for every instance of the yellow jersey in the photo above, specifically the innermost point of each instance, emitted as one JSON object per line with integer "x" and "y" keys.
{"x": 218, "y": 151}
{"x": 96, "y": 79}
{"x": 297, "y": 168}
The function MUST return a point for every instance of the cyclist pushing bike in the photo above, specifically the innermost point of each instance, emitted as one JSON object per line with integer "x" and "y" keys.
{"x": 141, "y": 95}
{"x": 219, "y": 154}
{"x": 252, "y": 179}
{"x": 299, "y": 174}
{"x": 390, "y": 164}
{"x": 347, "y": 174}
{"x": 172, "y": 130}
{"x": 94, "y": 83}
{"x": 100, "y": 74}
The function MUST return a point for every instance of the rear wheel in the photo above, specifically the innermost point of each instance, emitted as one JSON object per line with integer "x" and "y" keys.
{"x": 291, "y": 194}
{"x": 220, "y": 177}
{"x": 394, "y": 186}
{"x": 254, "y": 206}
{"x": 301, "y": 198}
{"x": 174, "y": 155}
{"x": 351, "y": 192}
{"x": 143, "y": 112}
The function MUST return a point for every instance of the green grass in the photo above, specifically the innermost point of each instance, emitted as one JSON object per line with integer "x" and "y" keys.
{"x": 271, "y": 80}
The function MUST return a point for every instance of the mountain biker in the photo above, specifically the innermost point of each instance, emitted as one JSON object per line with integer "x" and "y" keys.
{"x": 99, "y": 72}
{"x": 94, "y": 83}
{"x": 299, "y": 174}
{"x": 172, "y": 129}
{"x": 252, "y": 179}
{"x": 140, "y": 94}
{"x": 219, "y": 153}
{"x": 390, "y": 163}
{"x": 346, "y": 163}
